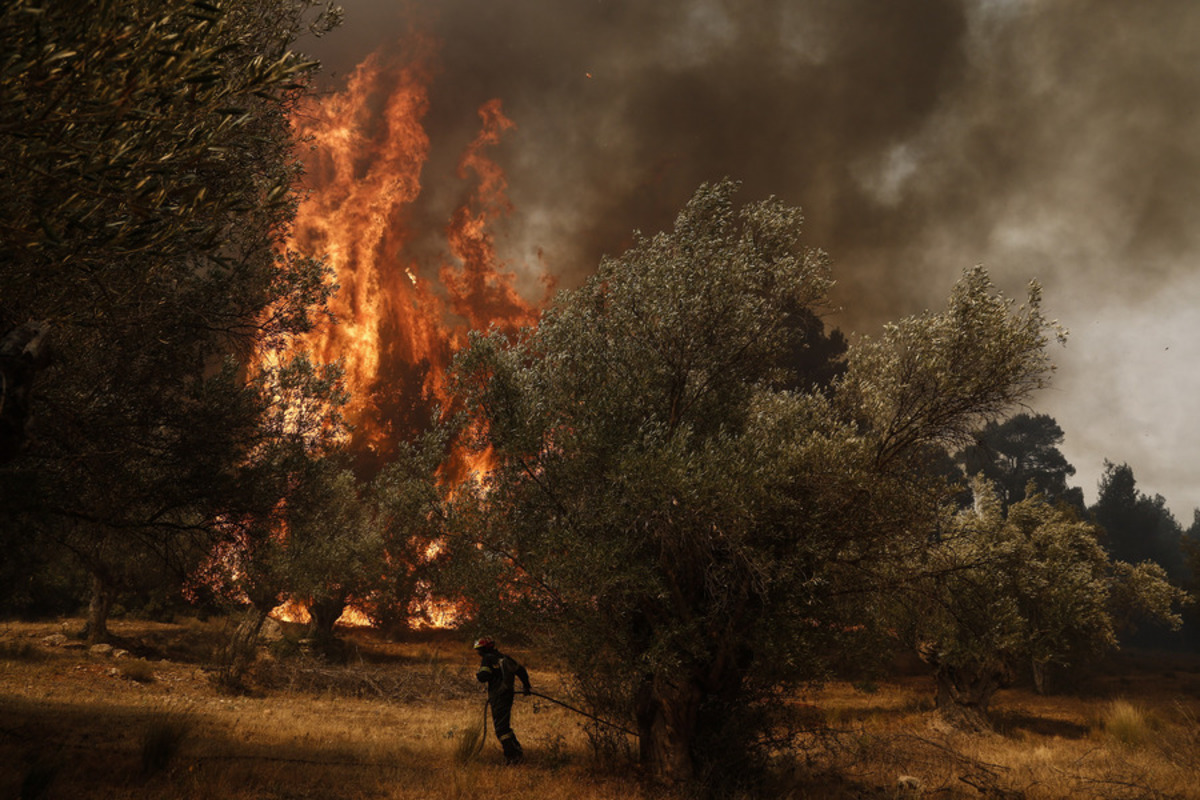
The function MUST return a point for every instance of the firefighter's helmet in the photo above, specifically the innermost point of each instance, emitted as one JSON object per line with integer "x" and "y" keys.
{"x": 484, "y": 643}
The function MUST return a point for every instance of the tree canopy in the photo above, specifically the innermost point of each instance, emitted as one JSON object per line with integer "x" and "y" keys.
{"x": 1020, "y": 590}
{"x": 1019, "y": 452}
{"x": 690, "y": 528}
{"x": 149, "y": 176}
{"x": 1137, "y": 527}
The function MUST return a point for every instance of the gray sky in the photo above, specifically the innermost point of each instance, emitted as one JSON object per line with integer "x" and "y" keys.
{"x": 1057, "y": 141}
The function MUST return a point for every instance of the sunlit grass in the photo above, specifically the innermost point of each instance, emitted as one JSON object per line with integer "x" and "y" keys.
{"x": 1128, "y": 724}
{"x": 407, "y": 722}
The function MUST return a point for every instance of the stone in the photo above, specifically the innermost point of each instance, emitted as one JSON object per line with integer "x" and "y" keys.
{"x": 55, "y": 640}
{"x": 101, "y": 649}
{"x": 909, "y": 786}
{"x": 271, "y": 630}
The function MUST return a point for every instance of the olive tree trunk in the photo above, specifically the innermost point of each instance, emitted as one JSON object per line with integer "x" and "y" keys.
{"x": 963, "y": 695}
{"x": 325, "y": 613}
{"x": 99, "y": 606}
{"x": 667, "y": 712}
{"x": 242, "y": 648}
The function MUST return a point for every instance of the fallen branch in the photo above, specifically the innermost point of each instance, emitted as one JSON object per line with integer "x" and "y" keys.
{"x": 285, "y": 760}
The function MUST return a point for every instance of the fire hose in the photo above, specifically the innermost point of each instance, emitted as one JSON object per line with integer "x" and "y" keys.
{"x": 581, "y": 712}
{"x": 567, "y": 706}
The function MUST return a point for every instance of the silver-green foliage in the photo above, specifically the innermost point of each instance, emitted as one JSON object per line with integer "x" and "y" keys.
{"x": 1031, "y": 588}
{"x": 686, "y": 534}
{"x": 149, "y": 174}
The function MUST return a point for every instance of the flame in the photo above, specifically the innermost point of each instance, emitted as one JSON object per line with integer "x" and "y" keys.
{"x": 480, "y": 292}
{"x": 397, "y": 327}
{"x": 293, "y": 610}
{"x": 431, "y": 612}
{"x": 363, "y": 169}
{"x": 399, "y": 318}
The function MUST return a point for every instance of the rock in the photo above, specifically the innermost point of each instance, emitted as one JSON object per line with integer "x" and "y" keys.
{"x": 101, "y": 649}
{"x": 55, "y": 640}
{"x": 271, "y": 630}
{"x": 909, "y": 786}
{"x": 118, "y": 653}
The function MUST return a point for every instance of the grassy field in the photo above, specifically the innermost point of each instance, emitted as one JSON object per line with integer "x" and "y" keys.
{"x": 399, "y": 721}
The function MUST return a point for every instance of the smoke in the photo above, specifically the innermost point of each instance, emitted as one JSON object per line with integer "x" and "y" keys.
{"x": 1050, "y": 141}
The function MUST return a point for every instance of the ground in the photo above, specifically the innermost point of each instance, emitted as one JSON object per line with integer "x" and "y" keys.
{"x": 399, "y": 720}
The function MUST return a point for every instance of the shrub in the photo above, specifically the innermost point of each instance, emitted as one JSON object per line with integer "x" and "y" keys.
{"x": 1126, "y": 723}
{"x": 138, "y": 670}
{"x": 470, "y": 743}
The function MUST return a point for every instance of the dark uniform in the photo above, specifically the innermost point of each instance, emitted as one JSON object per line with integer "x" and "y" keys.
{"x": 499, "y": 672}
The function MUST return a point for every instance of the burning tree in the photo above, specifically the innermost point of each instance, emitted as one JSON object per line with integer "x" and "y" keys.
{"x": 322, "y": 549}
{"x": 689, "y": 527}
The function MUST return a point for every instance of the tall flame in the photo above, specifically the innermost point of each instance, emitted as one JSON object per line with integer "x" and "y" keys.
{"x": 397, "y": 329}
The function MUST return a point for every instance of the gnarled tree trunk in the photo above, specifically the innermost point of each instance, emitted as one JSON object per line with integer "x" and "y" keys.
{"x": 1040, "y": 670}
{"x": 963, "y": 695}
{"x": 325, "y": 613}
{"x": 103, "y": 593}
{"x": 667, "y": 712}
{"x": 242, "y": 648}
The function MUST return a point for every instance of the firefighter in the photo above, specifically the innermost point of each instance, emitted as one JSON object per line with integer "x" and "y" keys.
{"x": 499, "y": 672}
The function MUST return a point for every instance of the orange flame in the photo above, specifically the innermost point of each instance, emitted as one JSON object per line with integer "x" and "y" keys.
{"x": 397, "y": 329}
{"x": 480, "y": 292}
{"x": 293, "y": 610}
{"x": 399, "y": 319}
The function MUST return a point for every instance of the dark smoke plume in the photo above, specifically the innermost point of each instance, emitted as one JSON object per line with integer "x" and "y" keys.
{"x": 1050, "y": 140}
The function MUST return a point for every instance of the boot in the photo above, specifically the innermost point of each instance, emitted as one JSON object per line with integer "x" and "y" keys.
{"x": 513, "y": 754}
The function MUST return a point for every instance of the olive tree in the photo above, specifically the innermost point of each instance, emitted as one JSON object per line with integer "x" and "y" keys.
{"x": 1030, "y": 589}
{"x": 300, "y": 530}
{"x": 688, "y": 527}
{"x": 149, "y": 173}
{"x": 410, "y": 516}
{"x": 321, "y": 549}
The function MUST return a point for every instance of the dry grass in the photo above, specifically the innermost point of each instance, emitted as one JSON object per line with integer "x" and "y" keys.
{"x": 399, "y": 721}
{"x": 1042, "y": 747}
{"x": 137, "y": 670}
{"x": 1128, "y": 724}
{"x": 404, "y": 721}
